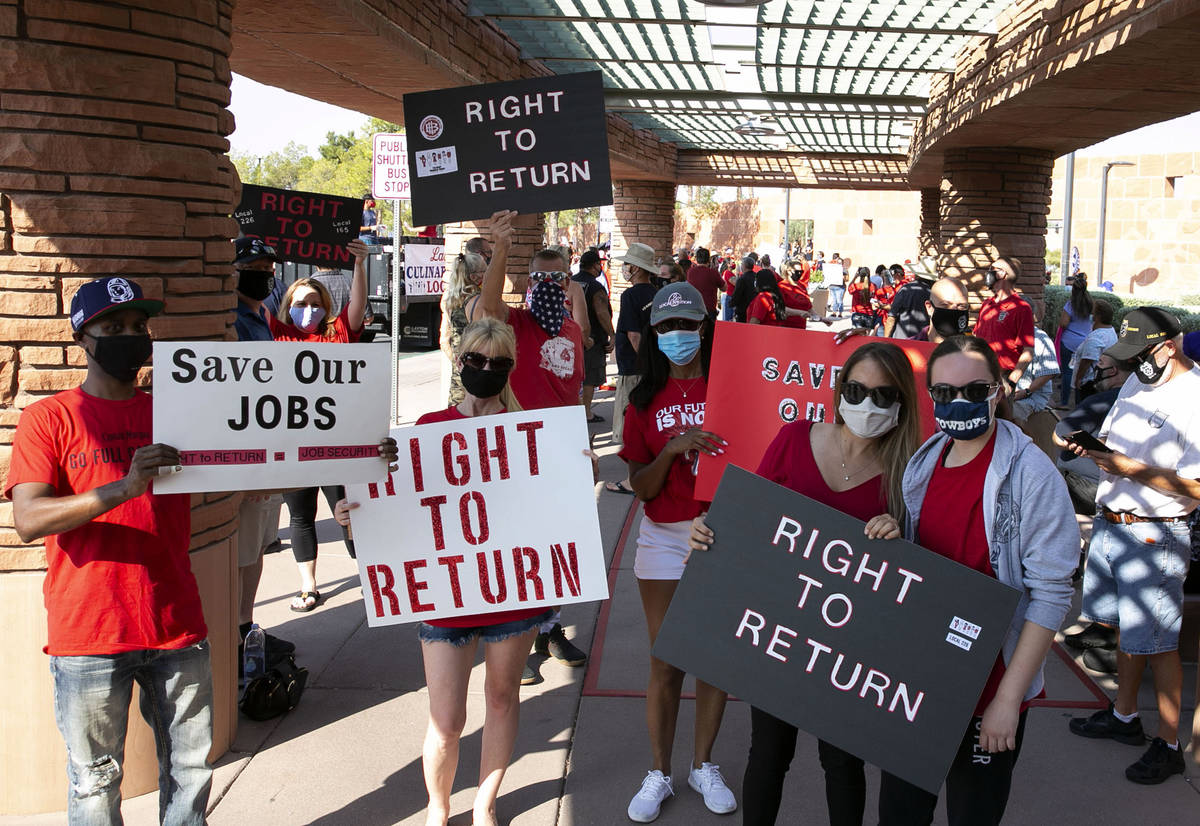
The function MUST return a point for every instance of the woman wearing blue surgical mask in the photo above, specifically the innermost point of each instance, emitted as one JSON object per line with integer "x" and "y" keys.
{"x": 664, "y": 436}
{"x": 982, "y": 493}
{"x": 306, "y": 314}
{"x": 854, "y": 464}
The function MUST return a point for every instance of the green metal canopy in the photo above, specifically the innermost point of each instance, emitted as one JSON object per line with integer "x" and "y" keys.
{"x": 814, "y": 76}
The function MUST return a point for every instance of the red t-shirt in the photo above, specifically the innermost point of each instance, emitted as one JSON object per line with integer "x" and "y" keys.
{"x": 549, "y": 371}
{"x": 473, "y": 620}
{"x": 1007, "y": 326}
{"x": 861, "y": 298}
{"x": 789, "y": 461}
{"x": 727, "y": 278}
{"x": 342, "y": 334}
{"x": 123, "y": 581}
{"x": 763, "y": 309}
{"x": 707, "y": 281}
{"x": 647, "y": 433}
{"x": 957, "y": 531}
{"x": 795, "y": 297}
{"x": 884, "y": 296}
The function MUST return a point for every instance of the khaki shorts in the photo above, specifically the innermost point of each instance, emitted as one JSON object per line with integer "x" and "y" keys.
{"x": 259, "y": 526}
{"x": 620, "y": 402}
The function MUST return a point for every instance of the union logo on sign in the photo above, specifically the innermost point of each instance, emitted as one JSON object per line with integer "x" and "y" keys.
{"x": 431, "y": 127}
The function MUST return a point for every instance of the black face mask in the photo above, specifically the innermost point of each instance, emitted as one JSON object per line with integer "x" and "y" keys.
{"x": 1148, "y": 370}
{"x": 948, "y": 322}
{"x": 255, "y": 284}
{"x": 483, "y": 384}
{"x": 990, "y": 279}
{"x": 122, "y": 356}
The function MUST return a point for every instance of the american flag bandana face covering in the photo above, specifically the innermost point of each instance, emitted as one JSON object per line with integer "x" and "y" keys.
{"x": 546, "y": 302}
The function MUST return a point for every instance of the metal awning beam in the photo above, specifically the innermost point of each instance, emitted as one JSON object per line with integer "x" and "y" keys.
{"x": 718, "y": 65}
{"x": 612, "y": 96}
{"x": 650, "y": 21}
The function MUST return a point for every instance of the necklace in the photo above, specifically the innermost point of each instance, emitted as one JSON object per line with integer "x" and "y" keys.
{"x": 689, "y": 388}
{"x": 846, "y": 474}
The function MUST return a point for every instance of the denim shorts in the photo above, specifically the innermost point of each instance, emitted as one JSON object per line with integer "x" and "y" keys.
{"x": 1134, "y": 580}
{"x": 487, "y": 633}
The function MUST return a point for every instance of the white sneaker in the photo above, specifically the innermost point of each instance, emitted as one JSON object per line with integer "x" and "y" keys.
{"x": 647, "y": 803}
{"x": 708, "y": 781}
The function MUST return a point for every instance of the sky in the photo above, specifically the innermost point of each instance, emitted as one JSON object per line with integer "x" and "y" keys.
{"x": 259, "y": 111}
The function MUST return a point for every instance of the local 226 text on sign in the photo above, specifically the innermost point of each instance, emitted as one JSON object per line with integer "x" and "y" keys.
{"x": 485, "y": 514}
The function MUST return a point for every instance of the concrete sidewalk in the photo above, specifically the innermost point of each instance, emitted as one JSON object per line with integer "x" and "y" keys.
{"x": 351, "y": 752}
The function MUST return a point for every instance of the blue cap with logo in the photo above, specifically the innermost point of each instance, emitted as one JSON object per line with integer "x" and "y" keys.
{"x": 106, "y": 295}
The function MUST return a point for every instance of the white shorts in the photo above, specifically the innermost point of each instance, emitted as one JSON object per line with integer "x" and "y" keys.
{"x": 662, "y": 549}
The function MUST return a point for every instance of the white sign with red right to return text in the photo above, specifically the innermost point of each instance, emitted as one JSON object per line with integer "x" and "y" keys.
{"x": 485, "y": 514}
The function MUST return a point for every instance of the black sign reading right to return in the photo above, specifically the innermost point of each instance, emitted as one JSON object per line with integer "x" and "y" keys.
{"x": 879, "y": 647}
{"x": 535, "y": 145}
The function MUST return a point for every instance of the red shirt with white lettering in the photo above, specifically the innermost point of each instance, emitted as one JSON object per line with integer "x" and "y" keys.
{"x": 451, "y": 414}
{"x": 957, "y": 532}
{"x": 1007, "y": 325}
{"x": 549, "y": 371}
{"x": 341, "y": 333}
{"x": 647, "y": 432}
{"x": 123, "y": 581}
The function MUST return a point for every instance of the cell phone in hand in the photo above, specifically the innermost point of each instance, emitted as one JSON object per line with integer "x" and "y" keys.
{"x": 1088, "y": 442}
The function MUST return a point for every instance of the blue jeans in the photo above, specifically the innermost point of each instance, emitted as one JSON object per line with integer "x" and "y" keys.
{"x": 836, "y": 293}
{"x": 1065, "y": 376}
{"x": 91, "y": 706}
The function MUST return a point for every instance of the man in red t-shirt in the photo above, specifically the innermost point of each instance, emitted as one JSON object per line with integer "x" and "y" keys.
{"x": 1006, "y": 320}
{"x": 707, "y": 280}
{"x": 121, "y": 600}
{"x": 548, "y": 373}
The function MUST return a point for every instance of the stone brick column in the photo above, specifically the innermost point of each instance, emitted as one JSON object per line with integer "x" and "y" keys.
{"x": 645, "y": 214}
{"x": 527, "y": 239}
{"x": 929, "y": 240}
{"x": 114, "y": 162}
{"x": 994, "y": 202}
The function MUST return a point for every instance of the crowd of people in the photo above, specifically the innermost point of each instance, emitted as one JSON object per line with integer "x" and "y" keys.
{"x": 982, "y": 491}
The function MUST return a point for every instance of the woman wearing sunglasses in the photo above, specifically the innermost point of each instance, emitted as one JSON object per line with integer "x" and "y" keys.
{"x": 487, "y": 355}
{"x": 663, "y": 438}
{"x": 983, "y": 494}
{"x": 854, "y": 464}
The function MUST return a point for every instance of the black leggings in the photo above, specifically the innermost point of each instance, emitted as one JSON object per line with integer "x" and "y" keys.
{"x": 772, "y": 747}
{"x": 302, "y": 518}
{"x": 977, "y": 787}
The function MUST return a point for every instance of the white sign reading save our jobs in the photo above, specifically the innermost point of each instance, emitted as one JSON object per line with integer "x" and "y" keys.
{"x": 424, "y": 269}
{"x": 263, "y": 415}
{"x": 389, "y": 167}
{"x": 486, "y": 514}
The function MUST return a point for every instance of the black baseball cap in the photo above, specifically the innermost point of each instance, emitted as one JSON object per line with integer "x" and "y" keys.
{"x": 589, "y": 258}
{"x": 105, "y": 295}
{"x": 248, "y": 249}
{"x": 1142, "y": 329}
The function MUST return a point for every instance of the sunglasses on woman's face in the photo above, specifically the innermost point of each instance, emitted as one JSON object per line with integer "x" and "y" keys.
{"x": 974, "y": 392}
{"x": 668, "y": 325}
{"x": 883, "y": 396}
{"x": 478, "y": 361}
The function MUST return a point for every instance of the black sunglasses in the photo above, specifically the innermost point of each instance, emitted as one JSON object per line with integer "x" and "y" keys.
{"x": 883, "y": 396}
{"x": 668, "y": 325}
{"x": 974, "y": 392}
{"x": 542, "y": 275}
{"x": 497, "y": 364}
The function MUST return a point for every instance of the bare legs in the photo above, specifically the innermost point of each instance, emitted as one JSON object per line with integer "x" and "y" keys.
{"x": 1168, "y": 687}
{"x": 447, "y": 672}
{"x": 666, "y": 683}
{"x": 248, "y": 578}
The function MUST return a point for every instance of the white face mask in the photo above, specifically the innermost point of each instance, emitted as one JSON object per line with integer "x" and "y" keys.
{"x": 867, "y": 420}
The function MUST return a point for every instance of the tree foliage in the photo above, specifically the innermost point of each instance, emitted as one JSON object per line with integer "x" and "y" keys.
{"x": 341, "y": 166}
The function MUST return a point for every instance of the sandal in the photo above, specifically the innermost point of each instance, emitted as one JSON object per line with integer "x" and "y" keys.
{"x": 596, "y": 417}
{"x": 617, "y": 487}
{"x": 305, "y": 601}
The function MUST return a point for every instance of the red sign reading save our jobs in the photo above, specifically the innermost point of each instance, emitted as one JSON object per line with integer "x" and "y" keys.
{"x": 762, "y": 378}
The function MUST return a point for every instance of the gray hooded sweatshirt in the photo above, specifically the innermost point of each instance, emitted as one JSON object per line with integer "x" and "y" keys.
{"x": 1032, "y": 535}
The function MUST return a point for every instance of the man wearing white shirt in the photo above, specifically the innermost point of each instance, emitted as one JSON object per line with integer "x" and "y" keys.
{"x": 1141, "y": 542}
